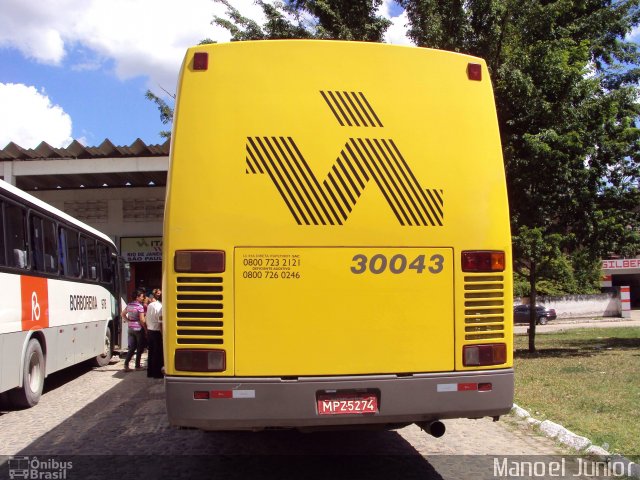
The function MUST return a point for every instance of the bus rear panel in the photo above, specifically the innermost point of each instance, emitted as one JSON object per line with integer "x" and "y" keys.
{"x": 337, "y": 245}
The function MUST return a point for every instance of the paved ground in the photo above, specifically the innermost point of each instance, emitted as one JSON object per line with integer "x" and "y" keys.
{"x": 99, "y": 412}
{"x": 105, "y": 410}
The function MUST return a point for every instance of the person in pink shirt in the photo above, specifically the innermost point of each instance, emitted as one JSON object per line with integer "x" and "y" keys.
{"x": 133, "y": 314}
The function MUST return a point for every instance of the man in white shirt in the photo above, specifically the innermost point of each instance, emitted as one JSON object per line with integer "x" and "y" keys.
{"x": 154, "y": 333}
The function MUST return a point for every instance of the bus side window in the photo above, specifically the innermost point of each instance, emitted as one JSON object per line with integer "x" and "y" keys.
{"x": 90, "y": 260}
{"x": 37, "y": 245}
{"x": 50, "y": 246}
{"x": 62, "y": 251}
{"x": 70, "y": 252}
{"x": 106, "y": 272}
{"x": 16, "y": 236}
{"x": 3, "y": 257}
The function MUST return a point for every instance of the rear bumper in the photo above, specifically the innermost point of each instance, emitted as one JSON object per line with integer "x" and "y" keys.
{"x": 258, "y": 403}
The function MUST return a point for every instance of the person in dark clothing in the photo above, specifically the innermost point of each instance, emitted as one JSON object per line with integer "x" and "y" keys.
{"x": 154, "y": 337}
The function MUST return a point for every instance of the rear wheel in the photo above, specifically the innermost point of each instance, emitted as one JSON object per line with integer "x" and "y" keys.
{"x": 104, "y": 358}
{"x": 542, "y": 320}
{"x": 32, "y": 377}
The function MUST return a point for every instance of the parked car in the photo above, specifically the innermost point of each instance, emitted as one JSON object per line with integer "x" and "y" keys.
{"x": 543, "y": 314}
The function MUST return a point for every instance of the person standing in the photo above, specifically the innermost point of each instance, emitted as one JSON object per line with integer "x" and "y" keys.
{"x": 133, "y": 314}
{"x": 154, "y": 328}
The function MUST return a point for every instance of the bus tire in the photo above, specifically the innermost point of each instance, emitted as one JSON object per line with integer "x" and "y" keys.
{"x": 104, "y": 358}
{"x": 32, "y": 377}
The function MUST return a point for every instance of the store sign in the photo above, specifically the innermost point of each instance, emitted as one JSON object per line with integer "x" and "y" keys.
{"x": 620, "y": 264}
{"x": 141, "y": 249}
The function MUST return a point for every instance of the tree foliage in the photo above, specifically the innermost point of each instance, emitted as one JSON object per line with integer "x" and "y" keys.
{"x": 319, "y": 19}
{"x": 565, "y": 81}
{"x": 166, "y": 111}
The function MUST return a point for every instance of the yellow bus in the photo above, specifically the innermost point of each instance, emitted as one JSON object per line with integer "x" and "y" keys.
{"x": 337, "y": 248}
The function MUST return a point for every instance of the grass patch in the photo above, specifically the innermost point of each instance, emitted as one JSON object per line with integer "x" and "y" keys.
{"x": 587, "y": 380}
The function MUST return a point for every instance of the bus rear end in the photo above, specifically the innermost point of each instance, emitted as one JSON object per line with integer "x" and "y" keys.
{"x": 337, "y": 245}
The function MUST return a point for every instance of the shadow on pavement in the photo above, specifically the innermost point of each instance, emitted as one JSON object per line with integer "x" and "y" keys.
{"x": 51, "y": 383}
{"x": 125, "y": 434}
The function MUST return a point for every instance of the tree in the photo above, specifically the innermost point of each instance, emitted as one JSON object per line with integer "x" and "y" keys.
{"x": 533, "y": 252}
{"x": 566, "y": 93}
{"x": 320, "y": 19}
{"x": 166, "y": 111}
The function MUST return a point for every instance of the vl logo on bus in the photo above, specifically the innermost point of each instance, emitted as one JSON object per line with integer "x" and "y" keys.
{"x": 361, "y": 160}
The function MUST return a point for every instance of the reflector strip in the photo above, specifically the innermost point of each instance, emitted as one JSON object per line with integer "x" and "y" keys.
{"x": 233, "y": 394}
{"x": 467, "y": 387}
{"x": 447, "y": 387}
{"x": 221, "y": 394}
{"x": 464, "y": 387}
{"x": 244, "y": 394}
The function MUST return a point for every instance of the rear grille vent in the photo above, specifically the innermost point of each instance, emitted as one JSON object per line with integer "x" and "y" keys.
{"x": 200, "y": 310}
{"x": 484, "y": 307}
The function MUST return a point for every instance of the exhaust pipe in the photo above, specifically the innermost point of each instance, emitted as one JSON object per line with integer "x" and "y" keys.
{"x": 435, "y": 428}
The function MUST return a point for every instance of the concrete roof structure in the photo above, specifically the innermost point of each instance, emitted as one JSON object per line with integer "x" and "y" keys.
{"x": 77, "y": 166}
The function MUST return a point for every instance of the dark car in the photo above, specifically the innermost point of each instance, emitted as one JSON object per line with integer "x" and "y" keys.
{"x": 543, "y": 314}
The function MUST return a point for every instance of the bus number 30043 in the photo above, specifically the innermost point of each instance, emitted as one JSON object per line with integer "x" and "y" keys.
{"x": 397, "y": 264}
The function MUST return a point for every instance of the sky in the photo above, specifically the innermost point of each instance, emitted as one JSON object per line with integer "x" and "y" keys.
{"x": 79, "y": 69}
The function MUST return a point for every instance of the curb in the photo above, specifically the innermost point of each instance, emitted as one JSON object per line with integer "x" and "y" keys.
{"x": 580, "y": 444}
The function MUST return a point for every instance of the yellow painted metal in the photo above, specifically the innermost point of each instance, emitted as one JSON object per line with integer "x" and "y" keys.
{"x": 328, "y": 311}
{"x": 362, "y": 146}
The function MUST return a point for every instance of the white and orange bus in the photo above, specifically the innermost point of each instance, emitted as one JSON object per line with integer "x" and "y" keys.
{"x": 337, "y": 249}
{"x": 60, "y": 303}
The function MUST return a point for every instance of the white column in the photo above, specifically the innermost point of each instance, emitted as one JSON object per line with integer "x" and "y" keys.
{"x": 8, "y": 173}
{"x": 625, "y": 302}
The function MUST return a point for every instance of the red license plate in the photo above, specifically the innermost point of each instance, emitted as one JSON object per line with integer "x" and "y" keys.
{"x": 347, "y": 404}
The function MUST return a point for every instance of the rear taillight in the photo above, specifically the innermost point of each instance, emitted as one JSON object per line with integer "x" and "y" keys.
{"x": 481, "y": 355}
{"x": 199, "y": 261}
{"x": 483, "y": 261}
{"x": 199, "y": 360}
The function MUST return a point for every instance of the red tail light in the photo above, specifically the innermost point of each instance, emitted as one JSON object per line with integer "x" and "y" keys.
{"x": 483, "y": 261}
{"x": 199, "y": 261}
{"x": 187, "y": 360}
{"x": 481, "y": 355}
